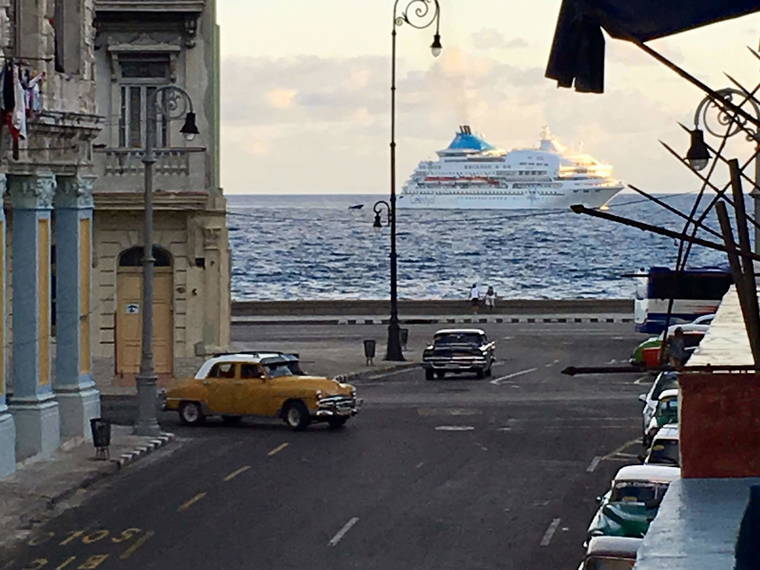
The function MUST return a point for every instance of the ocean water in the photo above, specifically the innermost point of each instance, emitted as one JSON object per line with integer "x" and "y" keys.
{"x": 290, "y": 247}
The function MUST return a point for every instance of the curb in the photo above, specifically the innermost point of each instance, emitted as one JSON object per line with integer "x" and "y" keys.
{"x": 428, "y": 320}
{"x": 152, "y": 445}
{"x": 362, "y": 374}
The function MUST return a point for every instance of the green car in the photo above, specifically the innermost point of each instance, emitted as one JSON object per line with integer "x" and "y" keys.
{"x": 632, "y": 501}
{"x": 665, "y": 413}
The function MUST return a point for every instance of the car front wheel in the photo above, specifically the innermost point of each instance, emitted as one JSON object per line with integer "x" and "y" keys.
{"x": 296, "y": 416}
{"x": 429, "y": 375}
{"x": 190, "y": 414}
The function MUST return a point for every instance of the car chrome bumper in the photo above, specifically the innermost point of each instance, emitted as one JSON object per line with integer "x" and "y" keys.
{"x": 470, "y": 364}
{"x": 333, "y": 407}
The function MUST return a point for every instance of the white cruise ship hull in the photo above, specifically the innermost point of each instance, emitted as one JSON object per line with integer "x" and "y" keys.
{"x": 537, "y": 199}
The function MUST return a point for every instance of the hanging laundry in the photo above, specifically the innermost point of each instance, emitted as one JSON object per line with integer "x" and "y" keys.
{"x": 34, "y": 95}
{"x": 8, "y": 97}
{"x": 19, "y": 111}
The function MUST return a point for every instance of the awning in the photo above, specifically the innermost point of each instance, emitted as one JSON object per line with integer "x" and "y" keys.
{"x": 577, "y": 55}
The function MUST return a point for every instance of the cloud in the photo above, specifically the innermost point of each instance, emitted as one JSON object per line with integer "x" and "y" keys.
{"x": 490, "y": 38}
{"x": 281, "y": 98}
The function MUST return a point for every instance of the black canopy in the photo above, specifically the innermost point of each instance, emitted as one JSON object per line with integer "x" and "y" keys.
{"x": 577, "y": 54}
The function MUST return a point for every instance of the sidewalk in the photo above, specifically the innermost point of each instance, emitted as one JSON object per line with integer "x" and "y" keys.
{"x": 41, "y": 487}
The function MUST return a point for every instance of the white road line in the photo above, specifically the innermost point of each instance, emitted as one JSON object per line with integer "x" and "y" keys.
{"x": 620, "y": 449}
{"x": 278, "y": 449}
{"x": 497, "y": 381}
{"x": 552, "y": 363}
{"x": 342, "y": 532}
{"x": 454, "y": 428}
{"x": 237, "y": 472}
{"x": 594, "y": 462}
{"x": 136, "y": 545}
{"x": 547, "y": 538}
{"x": 420, "y": 464}
{"x": 391, "y": 373}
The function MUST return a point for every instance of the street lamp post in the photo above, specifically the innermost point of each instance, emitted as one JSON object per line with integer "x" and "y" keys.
{"x": 171, "y": 103}
{"x": 418, "y": 14}
{"x": 698, "y": 154}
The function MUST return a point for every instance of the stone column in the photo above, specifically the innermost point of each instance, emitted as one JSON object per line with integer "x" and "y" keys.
{"x": 216, "y": 330}
{"x": 7, "y": 425}
{"x": 78, "y": 399}
{"x": 33, "y": 403}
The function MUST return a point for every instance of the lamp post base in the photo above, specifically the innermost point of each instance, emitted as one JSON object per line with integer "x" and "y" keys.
{"x": 394, "y": 352}
{"x": 147, "y": 402}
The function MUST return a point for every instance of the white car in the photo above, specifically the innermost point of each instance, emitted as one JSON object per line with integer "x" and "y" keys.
{"x": 663, "y": 381}
{"x": 704, "y": 319}
{"x": 664, "y": 449}
{"x": 610, "y": 553}
{"x": 665, "y": 413}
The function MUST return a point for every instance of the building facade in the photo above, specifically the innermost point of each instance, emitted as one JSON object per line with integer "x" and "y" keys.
{"x": 47, "y": 103}
{"x": 141, "y": 46}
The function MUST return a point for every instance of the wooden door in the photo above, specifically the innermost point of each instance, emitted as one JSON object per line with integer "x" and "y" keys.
{"x": 129, "y": 320}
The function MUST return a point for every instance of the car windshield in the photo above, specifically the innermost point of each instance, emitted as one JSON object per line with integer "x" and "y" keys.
{"x": 603, "y": 563}
{"x": 457, "y": 338}
{"x": 665, "y": 452}
{"x": 290, "y": 368}
{"x": 665, "y": 381}
{"x": 637, "y": 492}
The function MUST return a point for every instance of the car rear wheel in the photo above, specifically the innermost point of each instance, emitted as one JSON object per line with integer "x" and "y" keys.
{"x": 480, "y": 373}
{"x": 429, "y": 374}
{"x": 296, "y": 415}
{"x": 337, "y": 423}
{"x": 190, "y": 414}
{"x": 440, "y": 374}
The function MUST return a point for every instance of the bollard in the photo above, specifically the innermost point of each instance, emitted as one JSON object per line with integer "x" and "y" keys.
{"x": 404, "y": 334}
{"x": 101, "y": 437}
{"x": 369, "y": 351}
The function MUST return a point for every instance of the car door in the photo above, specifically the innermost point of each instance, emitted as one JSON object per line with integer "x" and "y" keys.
{"x": 253, "y": 391}
{"x": 221, "y": 386}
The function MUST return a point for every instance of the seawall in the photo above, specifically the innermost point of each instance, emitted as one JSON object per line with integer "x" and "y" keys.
{"x": 429, "y": 307}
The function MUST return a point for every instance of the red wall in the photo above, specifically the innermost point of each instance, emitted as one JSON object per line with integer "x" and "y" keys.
{"x": 720, "y": 425}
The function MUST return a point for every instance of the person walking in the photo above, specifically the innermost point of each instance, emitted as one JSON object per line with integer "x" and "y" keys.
{"x": 474, "y": 297}
{"x": 490, "y": 299}
{"x": 677, "y": 349}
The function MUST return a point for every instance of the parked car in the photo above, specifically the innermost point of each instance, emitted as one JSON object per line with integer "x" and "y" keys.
{"x": 704, "y": 319}
{"x": 666, "y": 412}
{"x": 457, "y": 351}
{"x": 610, "y": 553}
{"x": 647, "y": 353}
{"x": 632, "y": 501}
{"x": 664, "y": 449}
{"x": 261, "y": 384}
{"x": 663, "y": 381}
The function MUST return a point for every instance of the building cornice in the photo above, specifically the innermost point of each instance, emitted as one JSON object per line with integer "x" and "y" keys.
{"x": 182, "y": 6}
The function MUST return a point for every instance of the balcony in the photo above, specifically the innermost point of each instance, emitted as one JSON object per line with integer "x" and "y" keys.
{"x": 175, "y": 170}
{"x": 180, "y": 6}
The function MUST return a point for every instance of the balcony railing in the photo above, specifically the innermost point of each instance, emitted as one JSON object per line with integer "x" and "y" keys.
{"x": 128, "y": 161}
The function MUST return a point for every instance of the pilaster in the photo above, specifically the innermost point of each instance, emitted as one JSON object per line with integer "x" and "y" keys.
{"x": 7, "y": 425}
{"x": 216, "y": 331}
{"x": 33, "y": 403}
{"x": 74, "y": 386}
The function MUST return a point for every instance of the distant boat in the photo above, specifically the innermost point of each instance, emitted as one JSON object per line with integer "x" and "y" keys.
{"x": 356, "y": 207}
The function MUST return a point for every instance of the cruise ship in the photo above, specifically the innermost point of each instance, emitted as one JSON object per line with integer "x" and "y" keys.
{"x": 472, "y": 174}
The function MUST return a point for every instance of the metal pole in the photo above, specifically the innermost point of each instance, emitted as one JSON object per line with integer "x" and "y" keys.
{"x": 755, "y": 193}
{"x": 393, "y": 351}
{"x": 147, "y": 423}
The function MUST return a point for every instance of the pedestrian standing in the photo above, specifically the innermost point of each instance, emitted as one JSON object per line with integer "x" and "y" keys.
{"x": 490, "y": 299}
{"x": 474, "y": 297}
{"x": 677, "y": 349}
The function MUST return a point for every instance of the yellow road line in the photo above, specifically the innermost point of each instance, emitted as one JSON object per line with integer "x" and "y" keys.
{"x": 237, "y": 472}
{"x": 136, "y": 544}
{"x": 278, "y": 449}
{"x": 191, "y": 502}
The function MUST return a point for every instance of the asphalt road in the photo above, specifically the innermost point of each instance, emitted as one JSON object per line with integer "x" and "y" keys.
{"x": 459, "y": 473}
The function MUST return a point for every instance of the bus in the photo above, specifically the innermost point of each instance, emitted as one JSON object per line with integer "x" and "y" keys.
{"x": 696, "y": 291}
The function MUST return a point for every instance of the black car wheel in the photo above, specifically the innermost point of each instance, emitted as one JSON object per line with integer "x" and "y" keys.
{"x": 296, "y": 415}
{"x": 480, "y": 373}
{"x": 440, "y": 374}
{"x": 190, "y": 414}
{"x": 429, "y": 375}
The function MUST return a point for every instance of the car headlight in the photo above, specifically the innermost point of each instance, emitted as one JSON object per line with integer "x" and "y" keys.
{"x": 319, "y": 394}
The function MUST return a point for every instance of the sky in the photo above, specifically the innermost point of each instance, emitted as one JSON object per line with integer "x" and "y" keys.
{"x": 306, "y": 92}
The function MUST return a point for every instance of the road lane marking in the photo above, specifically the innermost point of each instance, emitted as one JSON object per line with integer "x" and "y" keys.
{"x": 547, "y": 538}
{"x": 342, "y": 532}
{"x": 278, "y": 449}
{"x": 420, "y": 464}
{"x": 594, "y": 462}
{"x": 391, "y": 373}
{"x": 454, "y": 428}
{"x": 237, "y": 472}
{"x": 619, "y": 450}
{"x": 497, "y": 381}
{"x": 552, "y": 363}
{"x": 136, "y": 545}
{"x": 191, "y": 502}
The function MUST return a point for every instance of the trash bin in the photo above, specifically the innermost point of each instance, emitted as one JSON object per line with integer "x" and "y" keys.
{"x": 101, "y": 437}
{"x": 404, "y": 333}
{"x": 369, "y": 350}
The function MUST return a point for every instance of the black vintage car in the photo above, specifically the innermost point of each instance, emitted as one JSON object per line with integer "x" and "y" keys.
{"x": 457, "y": 351}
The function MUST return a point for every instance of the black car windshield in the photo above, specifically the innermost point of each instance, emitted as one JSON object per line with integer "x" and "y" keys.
{"x": 664, "y": 451}
{"x": 637, "y": 492}
{"x": 666, "y": 381}
{"x": 282, "y": 368}
{"x": 458, "y": 338}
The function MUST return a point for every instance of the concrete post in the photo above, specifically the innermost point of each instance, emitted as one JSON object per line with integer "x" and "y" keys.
{"x": 74, "y": 386}
{"x": 33, "y": 403}
{"x": 7, "y": 425}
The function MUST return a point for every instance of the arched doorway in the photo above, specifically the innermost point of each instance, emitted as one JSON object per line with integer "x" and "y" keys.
{"x": 129, "y": 308}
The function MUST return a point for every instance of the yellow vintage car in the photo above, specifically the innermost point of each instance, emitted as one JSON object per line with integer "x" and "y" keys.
{"x": 269, "y": 384}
